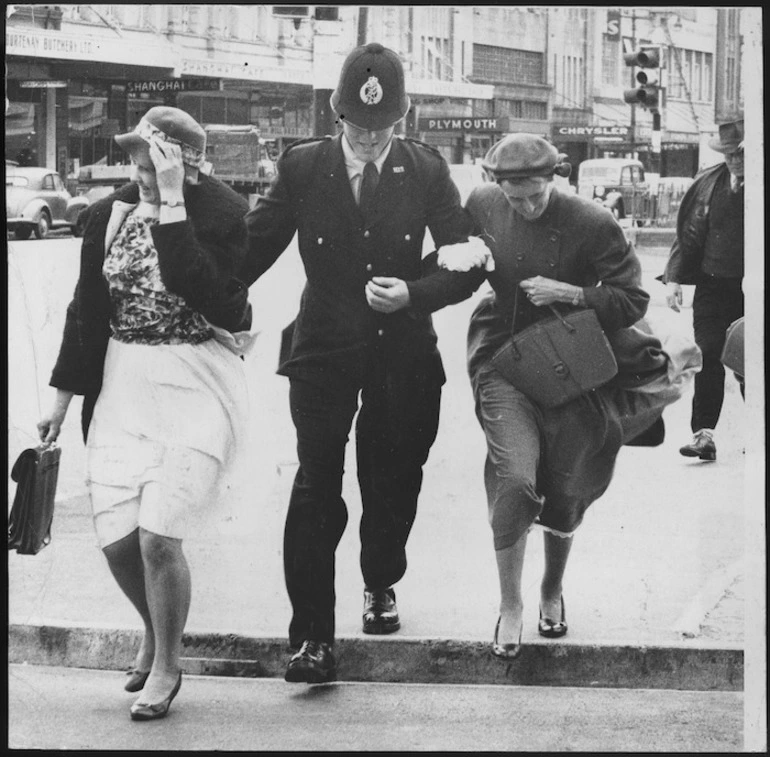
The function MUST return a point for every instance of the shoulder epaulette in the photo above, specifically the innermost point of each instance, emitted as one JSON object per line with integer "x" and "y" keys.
{"x": 421, "y": 144}
{"x": 306, "y": 141}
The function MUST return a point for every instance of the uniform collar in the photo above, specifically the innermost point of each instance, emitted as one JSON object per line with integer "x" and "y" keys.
{"x": 355, "y": 166}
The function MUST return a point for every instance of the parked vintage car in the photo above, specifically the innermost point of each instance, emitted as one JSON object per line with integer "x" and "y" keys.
{"x": 619, "y": 184}
{"x": 36, "y": 200}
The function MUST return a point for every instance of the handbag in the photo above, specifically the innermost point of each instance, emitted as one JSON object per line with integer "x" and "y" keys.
{"x": 557, "y": 359}
{"x": 733, "y": 351}
{"x": 36, "y": 472}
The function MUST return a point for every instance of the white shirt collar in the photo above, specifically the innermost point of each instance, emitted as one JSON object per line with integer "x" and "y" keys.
{"x": 355, "y": 166}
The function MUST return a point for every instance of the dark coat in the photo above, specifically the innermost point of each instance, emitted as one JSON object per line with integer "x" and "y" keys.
{"x": 197, "y": 259}
{"x": 575, "y": 241}
{"x": 341, "y": 251}
{"x": 686, "y": 256}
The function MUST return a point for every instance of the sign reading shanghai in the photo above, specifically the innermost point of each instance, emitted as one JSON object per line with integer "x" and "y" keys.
{"x": 172, "y": 85}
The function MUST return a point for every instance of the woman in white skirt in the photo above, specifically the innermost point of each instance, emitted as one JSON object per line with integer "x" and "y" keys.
{"x": 151, "y": 341}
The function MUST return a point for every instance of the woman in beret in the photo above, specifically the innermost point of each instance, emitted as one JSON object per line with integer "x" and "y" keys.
{"x": 151, "y": 342}
{"x": 546, "y": 466}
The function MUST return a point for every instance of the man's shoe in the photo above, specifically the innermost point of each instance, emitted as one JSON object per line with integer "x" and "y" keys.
{"x": 702, "y": 446}
{"x": 380, "y": 611}
{"x": 314, "y": 663}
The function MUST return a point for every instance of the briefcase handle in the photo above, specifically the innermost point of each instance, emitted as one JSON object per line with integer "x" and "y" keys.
{"x": 567, "y": 325}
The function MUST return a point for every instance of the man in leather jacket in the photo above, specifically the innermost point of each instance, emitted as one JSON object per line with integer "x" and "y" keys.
{"x": 708, "y": 252}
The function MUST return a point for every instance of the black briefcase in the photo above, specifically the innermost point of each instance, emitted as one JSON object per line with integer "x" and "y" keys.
{"x": 36, "y": 472}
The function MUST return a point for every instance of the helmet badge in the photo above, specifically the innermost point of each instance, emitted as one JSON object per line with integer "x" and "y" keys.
{"x": 371, "y": 92}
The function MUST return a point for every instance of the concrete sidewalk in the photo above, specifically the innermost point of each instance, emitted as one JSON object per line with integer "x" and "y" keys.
{"x": 654, "y": 592}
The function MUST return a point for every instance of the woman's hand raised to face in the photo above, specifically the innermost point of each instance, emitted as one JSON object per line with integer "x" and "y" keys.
{"x": 169, "y": 169}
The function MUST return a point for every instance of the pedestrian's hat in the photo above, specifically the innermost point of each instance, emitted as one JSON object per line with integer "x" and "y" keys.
{"x": 729, "y": 139}
{"x": 169, "y": 125}
{"x": 371, "y": 93}
{"x": 524, "y": 156}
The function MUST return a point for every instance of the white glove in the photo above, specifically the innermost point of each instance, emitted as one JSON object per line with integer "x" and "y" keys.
{"x": 466, "y": 255}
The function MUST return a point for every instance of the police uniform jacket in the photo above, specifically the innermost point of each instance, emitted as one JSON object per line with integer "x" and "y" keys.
{"x": 341, "y": 250}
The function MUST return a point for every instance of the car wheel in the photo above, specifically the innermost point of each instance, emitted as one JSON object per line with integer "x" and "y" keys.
{"x": 43, "y": 225}
{"x": 23, "y": 232}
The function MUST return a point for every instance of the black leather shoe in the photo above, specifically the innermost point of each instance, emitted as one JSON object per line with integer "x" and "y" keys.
{"x": 552, "y": 629}
{"x": 314, "y": 663}
{"x": 506, "y": 651}
{"x": 702, "y": 446}
{"x": 380, "y": 611}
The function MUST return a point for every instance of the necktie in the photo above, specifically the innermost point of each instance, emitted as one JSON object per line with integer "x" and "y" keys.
{"x": 368, "y": 186}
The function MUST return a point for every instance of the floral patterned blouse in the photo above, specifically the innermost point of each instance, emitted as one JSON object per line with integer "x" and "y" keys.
{"x": 143, "y": 311}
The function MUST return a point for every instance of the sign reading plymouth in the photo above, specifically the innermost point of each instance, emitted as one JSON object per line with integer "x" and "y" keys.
{"x": 463, "y": 124}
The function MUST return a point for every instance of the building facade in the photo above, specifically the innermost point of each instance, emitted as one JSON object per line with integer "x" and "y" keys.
{"x": 76, "y": 75}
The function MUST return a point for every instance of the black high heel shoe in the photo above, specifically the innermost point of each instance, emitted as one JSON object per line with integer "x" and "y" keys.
{"x": 136, "y": 681}
{"x": 506, "y": 651}
{"x": 546, "y": 627}
{"x": 144, "y": 711}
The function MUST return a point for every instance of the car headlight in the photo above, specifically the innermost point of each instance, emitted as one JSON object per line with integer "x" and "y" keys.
{"x": 599, "y": 191}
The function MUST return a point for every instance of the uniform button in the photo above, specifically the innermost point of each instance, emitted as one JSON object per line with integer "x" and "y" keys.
{"x": 519, "y": 257}
{"x": 380, "y": 332}
{"x": 366, "y": 234}
{"x": 368, "y": 266}
{"x": 408, "y": 237}
{"x": 553, "y": 239}
{"x": 320, "y": 240}
{"x": 553, "y": 265}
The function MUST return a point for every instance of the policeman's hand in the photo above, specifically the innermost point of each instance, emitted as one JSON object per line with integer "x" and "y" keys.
{"x": 673, "y": 295}
{"x": 169, "y": 168}
{"x": 463, "y": 256}
{"x": 386, "y": 294}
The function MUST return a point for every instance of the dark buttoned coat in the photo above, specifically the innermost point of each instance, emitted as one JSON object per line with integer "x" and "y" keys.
{"x": 341, "y": 250}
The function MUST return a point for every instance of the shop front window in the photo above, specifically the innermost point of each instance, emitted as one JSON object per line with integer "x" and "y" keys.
{"x": 25, "y": 125}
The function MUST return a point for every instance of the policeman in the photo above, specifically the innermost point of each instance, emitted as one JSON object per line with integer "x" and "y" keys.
{"x": 360, "y": 202}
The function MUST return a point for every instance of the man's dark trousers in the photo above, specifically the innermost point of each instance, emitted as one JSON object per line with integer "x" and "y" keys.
{"x": 395, "y": 429}
{"x": 717, "y": 302}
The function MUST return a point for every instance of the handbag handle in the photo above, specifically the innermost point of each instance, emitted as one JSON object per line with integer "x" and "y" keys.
{"x": 567, "y": 325}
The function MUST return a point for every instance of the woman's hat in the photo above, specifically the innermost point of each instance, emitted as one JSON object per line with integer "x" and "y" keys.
{"x": 371, "y": 92}
{"x": 169, "y": 125}
{"x": 730, "y": 137}
{"x": 522, "y": 156}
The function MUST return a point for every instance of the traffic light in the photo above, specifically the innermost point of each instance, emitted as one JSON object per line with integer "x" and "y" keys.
{"x": 647, "y": 94}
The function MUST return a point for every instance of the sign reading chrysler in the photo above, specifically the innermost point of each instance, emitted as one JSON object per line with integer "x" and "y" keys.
{"x": 572, "y": 133}
{"x": 463, "y": 124}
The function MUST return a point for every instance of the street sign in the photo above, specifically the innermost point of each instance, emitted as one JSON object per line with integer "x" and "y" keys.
{"x": 463, "y": 124}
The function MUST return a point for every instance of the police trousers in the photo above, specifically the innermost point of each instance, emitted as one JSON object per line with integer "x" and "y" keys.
{"x": 396, "y": 426}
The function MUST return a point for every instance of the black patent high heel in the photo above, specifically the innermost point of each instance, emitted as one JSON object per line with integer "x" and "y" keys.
{"x": 546, "y": 627}
{"x": 506, "y": 651}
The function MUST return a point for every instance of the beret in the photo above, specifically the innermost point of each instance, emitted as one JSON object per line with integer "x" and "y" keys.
{"x": 523, "y": 155}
